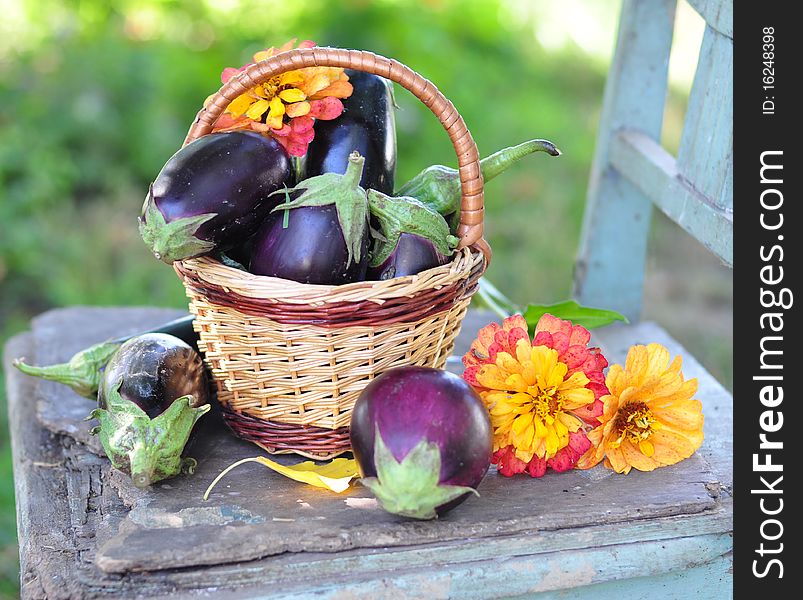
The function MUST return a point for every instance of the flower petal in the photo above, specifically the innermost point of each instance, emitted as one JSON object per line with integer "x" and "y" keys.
{"x": 257, "y": 109}
{"x": 297, "y": 109}
{"x": 336, "y": 89}
{"x": 239, "y": 105}
{"x": 292, "y": 95}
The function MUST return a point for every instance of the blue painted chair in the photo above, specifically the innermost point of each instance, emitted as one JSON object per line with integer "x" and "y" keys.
{"x": 630, "y": 175}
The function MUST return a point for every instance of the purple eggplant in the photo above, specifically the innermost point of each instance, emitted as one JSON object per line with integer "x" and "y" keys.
{"x": 411, "y": 237}
{"x": 213, "y": 194}
{"x": 367, "y": 126}
{"x": 84, "y": 371}
{"x": 411, "y": 255}
{"x": 153, "y": 391}
{"x": 310, "y": 249}
{"x": 320, "y": 234}
{"x": 422, "y": 440}
{"x": 152, "y": 370}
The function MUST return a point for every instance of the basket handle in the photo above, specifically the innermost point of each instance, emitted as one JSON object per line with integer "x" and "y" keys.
{"x": 472, "y": 209}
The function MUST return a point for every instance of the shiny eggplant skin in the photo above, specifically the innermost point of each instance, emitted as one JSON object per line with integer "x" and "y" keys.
{"x": 367, "y": 125}
{"x": 214, "y": 193}
{"x": 153, "y": 370}
{"x": 311, "y": 249}
{"x": 412, "y": 255}
{"x": 181, "y": 328}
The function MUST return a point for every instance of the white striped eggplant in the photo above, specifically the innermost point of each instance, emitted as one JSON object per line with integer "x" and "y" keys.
{"x": 213, "y": 193}
{"x": 84, "y": 371}
{"x": 153, "y": 391}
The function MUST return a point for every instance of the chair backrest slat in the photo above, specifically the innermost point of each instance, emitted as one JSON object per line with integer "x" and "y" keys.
{"x": 610, "y": 266}
{"x": 718, "y": 14}
{"x": 705, "y": 157}
{"x": 631, "y": 170}
{"x": 654, "y": 171}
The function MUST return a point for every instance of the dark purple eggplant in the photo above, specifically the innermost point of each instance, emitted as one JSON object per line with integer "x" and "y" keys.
{"x": 320, "y": 234}
{"x": 84, "y": 370}
{"x": 367, "y": 125}
{"x": 155, "y": 369}
{"x": 411, "y": 255}
{"x": 422, "y": 440}
{"x": 411, "y": 237}
{"x": 213, "y": 194}
{"x": 310, "y": 249}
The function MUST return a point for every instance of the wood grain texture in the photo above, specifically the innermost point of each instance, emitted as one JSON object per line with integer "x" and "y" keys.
{"x": 705, "y": 157}
{"x": 572, "y": 531}
{"x": 645, "y": 164}
{"x": 717, "y": 14}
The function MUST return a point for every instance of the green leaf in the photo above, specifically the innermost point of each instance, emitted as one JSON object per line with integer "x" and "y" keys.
{"x": 570, "y": 310}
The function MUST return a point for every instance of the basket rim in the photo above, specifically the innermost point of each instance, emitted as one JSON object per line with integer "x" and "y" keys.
{"x": 263, "y": 287}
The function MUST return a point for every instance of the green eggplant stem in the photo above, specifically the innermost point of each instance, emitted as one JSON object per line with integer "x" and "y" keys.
{"x": 345, "y": 193}
{"x": 81, "y": 373}
{"x": 353, "y": 174}
{"x": 499, "y": 161}
{"x": 438, "y": 187}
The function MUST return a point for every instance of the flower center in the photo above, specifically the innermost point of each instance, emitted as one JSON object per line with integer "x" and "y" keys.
{"x": 546, "y": 402}
{"x": 635, "y": 422}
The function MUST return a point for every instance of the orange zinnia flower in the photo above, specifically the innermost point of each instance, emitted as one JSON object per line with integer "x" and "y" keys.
{"x": 541, "y": 395}
{"x": 650, "y": 418}
{"x": 287, "y": 105}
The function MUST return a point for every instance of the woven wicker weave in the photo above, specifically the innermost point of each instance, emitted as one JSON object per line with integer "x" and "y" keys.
{"x": 290, "y": 359}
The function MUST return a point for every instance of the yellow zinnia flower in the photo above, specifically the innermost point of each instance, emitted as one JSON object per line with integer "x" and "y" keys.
{"x": 286, "y": 105}
{"x": 531, "y": 398}
{"x": 650, "y": 418}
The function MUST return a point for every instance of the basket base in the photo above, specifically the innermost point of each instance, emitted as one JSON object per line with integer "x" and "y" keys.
{"x": 312, "y": 442}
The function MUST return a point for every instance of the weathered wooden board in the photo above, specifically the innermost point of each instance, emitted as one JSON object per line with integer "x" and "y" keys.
{"x": 76, "y": 516}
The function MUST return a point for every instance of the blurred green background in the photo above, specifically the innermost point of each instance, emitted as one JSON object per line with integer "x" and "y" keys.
{"x": 96, "y": 95}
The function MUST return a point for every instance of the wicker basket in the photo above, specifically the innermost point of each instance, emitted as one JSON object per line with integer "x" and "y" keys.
{"x": 290, "y": 359}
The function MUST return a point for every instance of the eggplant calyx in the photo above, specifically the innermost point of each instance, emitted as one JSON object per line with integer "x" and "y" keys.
{"x": 410, "y": 488}
{"x": 81, "y": 373}
{"x": 148, "y": 450}
{"x": 345, "y": 193}
{"x": 406, "y": 215}
{"x": 174, "y": 240}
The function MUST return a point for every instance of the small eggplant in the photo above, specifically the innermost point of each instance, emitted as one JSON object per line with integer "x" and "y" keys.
{"x": 83, "y": 372}
{"x": 438, "y": 187}
{"x": 422, "y": 440}
{"x": 320, "y": 235}
{"x": 153, "y": 391}
{"x": 412, "y": 238}
{"x": 213, "y": 194}
{"x": 367, "y": 126}
{"x": 310, "y": 249}
{"x": 155, "y": 369}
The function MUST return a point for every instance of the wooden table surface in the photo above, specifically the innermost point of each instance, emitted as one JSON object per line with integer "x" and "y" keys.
{"x": 86, "y": 532}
